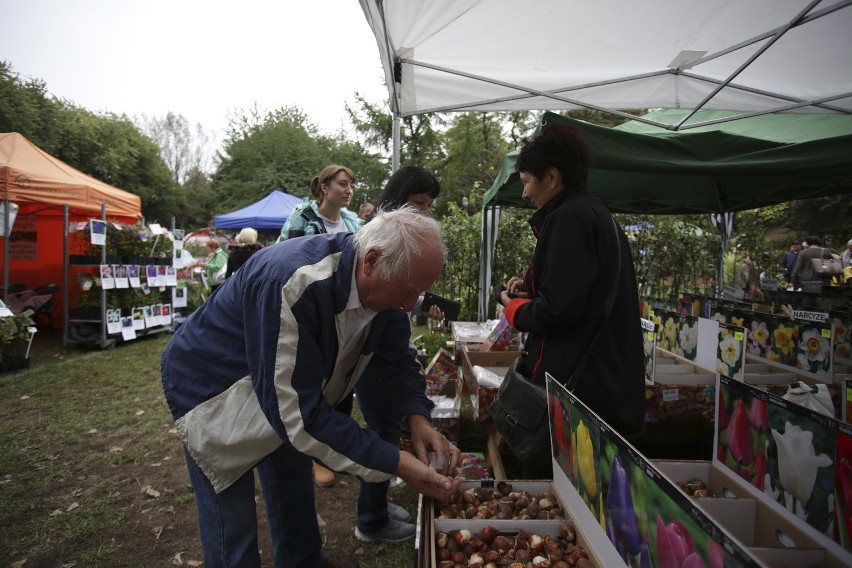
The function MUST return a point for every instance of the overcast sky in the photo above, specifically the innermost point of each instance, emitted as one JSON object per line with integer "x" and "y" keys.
{"x": 202, "y": 59}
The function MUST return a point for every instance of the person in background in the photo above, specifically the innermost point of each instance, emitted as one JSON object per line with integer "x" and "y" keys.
{"x": 560, "y": 301}
{"x": 245, "y": 244}
{"x": 215, "y": 261}
{"x": 304, "y": 322}
{"x": 804, "y": 270}
{"x": 378, "y": 519}
{"x": 846, "y": 263}
{"x": 366, "y": 211}
{"x": 788, "y": 263}
{"x": 846, "y": 257}
{"x": 332, "y": 191}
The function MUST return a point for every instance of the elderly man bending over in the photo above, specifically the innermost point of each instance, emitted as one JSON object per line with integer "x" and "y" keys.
{"x": 253, "y": 375}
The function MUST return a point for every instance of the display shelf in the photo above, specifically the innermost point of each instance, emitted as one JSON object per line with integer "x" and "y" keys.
{"x": 97, "y": 316}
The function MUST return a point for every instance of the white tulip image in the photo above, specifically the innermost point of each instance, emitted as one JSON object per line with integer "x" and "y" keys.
{"x": 797, "y": 461}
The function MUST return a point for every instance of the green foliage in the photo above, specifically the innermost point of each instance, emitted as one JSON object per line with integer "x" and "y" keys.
{"x": 433, "y": 341}
{"x": 15, "y": 335}
{"x": 461, "y": 232}
{"x": 283, "y": 149}
{"x": 672, "y": 253}
{"x": 475, "y": 148}
{"x": 826, "y": 217}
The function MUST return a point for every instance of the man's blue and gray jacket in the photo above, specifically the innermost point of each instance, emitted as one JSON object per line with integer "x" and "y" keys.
{"x": 254, "y": 366}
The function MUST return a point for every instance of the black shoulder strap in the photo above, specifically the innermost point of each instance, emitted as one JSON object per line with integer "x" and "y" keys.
{"x": 610, "y": 300}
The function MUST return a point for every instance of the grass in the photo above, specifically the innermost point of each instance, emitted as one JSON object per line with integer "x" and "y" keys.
{"x": 71, "y": 428}
{"x": 85, "y": 432}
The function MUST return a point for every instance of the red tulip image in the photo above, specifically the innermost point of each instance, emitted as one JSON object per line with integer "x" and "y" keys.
{"x": 739, "y": 435}
{"x": 759, "y": 471}
{"x": 723, "y": 412}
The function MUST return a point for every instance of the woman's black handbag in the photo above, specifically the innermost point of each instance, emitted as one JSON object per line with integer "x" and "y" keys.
{"x": 519, "y": 410}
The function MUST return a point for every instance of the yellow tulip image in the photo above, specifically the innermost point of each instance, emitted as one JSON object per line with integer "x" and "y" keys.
{"x": 586, "y": 455}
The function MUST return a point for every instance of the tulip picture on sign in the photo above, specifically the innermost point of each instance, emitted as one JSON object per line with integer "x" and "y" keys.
{"x": 560, "y": 431}
{"x": 800, "y": 475}
{"x": 783, "y": 449}
{"x": 843, "y": 487}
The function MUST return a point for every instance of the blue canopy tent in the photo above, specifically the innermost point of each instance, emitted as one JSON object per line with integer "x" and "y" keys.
{"x": 268, "y": 214}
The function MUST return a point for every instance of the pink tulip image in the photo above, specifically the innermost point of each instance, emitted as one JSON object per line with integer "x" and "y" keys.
{"x": 675, "y": 548}
{"x": 717, "y": 555}
{"x": 758, "y": 414}
{"x": 739, "y": 435}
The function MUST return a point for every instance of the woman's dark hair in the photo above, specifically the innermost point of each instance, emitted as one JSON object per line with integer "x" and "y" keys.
{"x": 405, "y": 182}
{"x": 561, "y": 147}
{"x": 814, "y": 240}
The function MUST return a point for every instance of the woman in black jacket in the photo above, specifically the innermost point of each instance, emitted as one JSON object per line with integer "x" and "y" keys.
{"x": 560, "y": 301}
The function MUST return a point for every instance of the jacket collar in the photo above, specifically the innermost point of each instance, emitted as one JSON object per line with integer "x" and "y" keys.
{"x": 537, "y": 219}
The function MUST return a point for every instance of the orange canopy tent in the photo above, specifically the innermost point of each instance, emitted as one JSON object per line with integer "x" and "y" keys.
{"x": 41, "y": 186}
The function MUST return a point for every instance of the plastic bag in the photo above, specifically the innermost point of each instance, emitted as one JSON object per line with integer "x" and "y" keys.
{"x": 814, "y": 397}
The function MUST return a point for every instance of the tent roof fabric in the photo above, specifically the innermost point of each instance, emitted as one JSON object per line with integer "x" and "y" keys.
{"x": 704, "y": 170}
{"x": 32, "y": 178}
{"x": 268, "y": 214}
{"x": 752, "y": 57}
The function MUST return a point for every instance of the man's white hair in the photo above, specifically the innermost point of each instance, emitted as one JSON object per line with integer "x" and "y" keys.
{"x": 400, "y": 235}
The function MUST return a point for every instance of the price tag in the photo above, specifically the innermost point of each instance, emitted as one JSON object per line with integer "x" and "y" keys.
{"x": 738, "y": 335}
{"x": 826, "y": 333}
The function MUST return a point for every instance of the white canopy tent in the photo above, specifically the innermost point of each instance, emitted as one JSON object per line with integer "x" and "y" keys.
{"x": 755, "y": 57}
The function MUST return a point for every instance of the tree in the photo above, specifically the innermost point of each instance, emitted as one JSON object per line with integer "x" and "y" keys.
{"x": 420, "y": 135}
{"x": 475, "y": 149}
{"x": 283, "y": 149}
{"x": 182, "y": 150}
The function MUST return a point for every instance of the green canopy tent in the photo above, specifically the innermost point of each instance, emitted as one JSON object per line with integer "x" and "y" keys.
{"x": 723, "y": 168}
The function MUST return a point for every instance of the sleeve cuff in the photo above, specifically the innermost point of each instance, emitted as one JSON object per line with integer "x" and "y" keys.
{"x": 512, "y": 308}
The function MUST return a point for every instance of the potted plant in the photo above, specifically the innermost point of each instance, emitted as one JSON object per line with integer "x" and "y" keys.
{"x": 16, "y": 334}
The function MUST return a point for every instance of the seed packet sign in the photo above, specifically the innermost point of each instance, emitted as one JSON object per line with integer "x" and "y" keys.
{"x": 649, "y": 342}
{"x": 730, "y": 351}
{"x": 679, "y": 333}
{"x": 801, "y": 460}
{"x": 648, "y": 521}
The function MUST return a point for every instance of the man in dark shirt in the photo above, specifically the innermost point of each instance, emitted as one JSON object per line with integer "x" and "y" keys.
{"x": 789, "y": 260}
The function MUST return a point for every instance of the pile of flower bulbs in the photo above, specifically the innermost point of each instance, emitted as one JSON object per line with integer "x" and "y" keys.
{"x": 488, "y": 548}
{"x": 500, "y": 502}
{"x": 695, "y": 488}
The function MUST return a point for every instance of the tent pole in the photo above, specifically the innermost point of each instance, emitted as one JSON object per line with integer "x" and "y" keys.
{"x": 65, "y": 263}
{"x": 396, "y": 143}
{"x": 6, "y": 205}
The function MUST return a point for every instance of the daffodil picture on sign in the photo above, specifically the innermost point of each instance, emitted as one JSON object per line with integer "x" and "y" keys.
{"x": 784, "y": 347}
{"x": 841, "y": 333}
{"x": 814, "y": 349}
{"x": 678, "y": 334}
{"x": 759, "y": 336}
{"x": 730, "y": 352}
